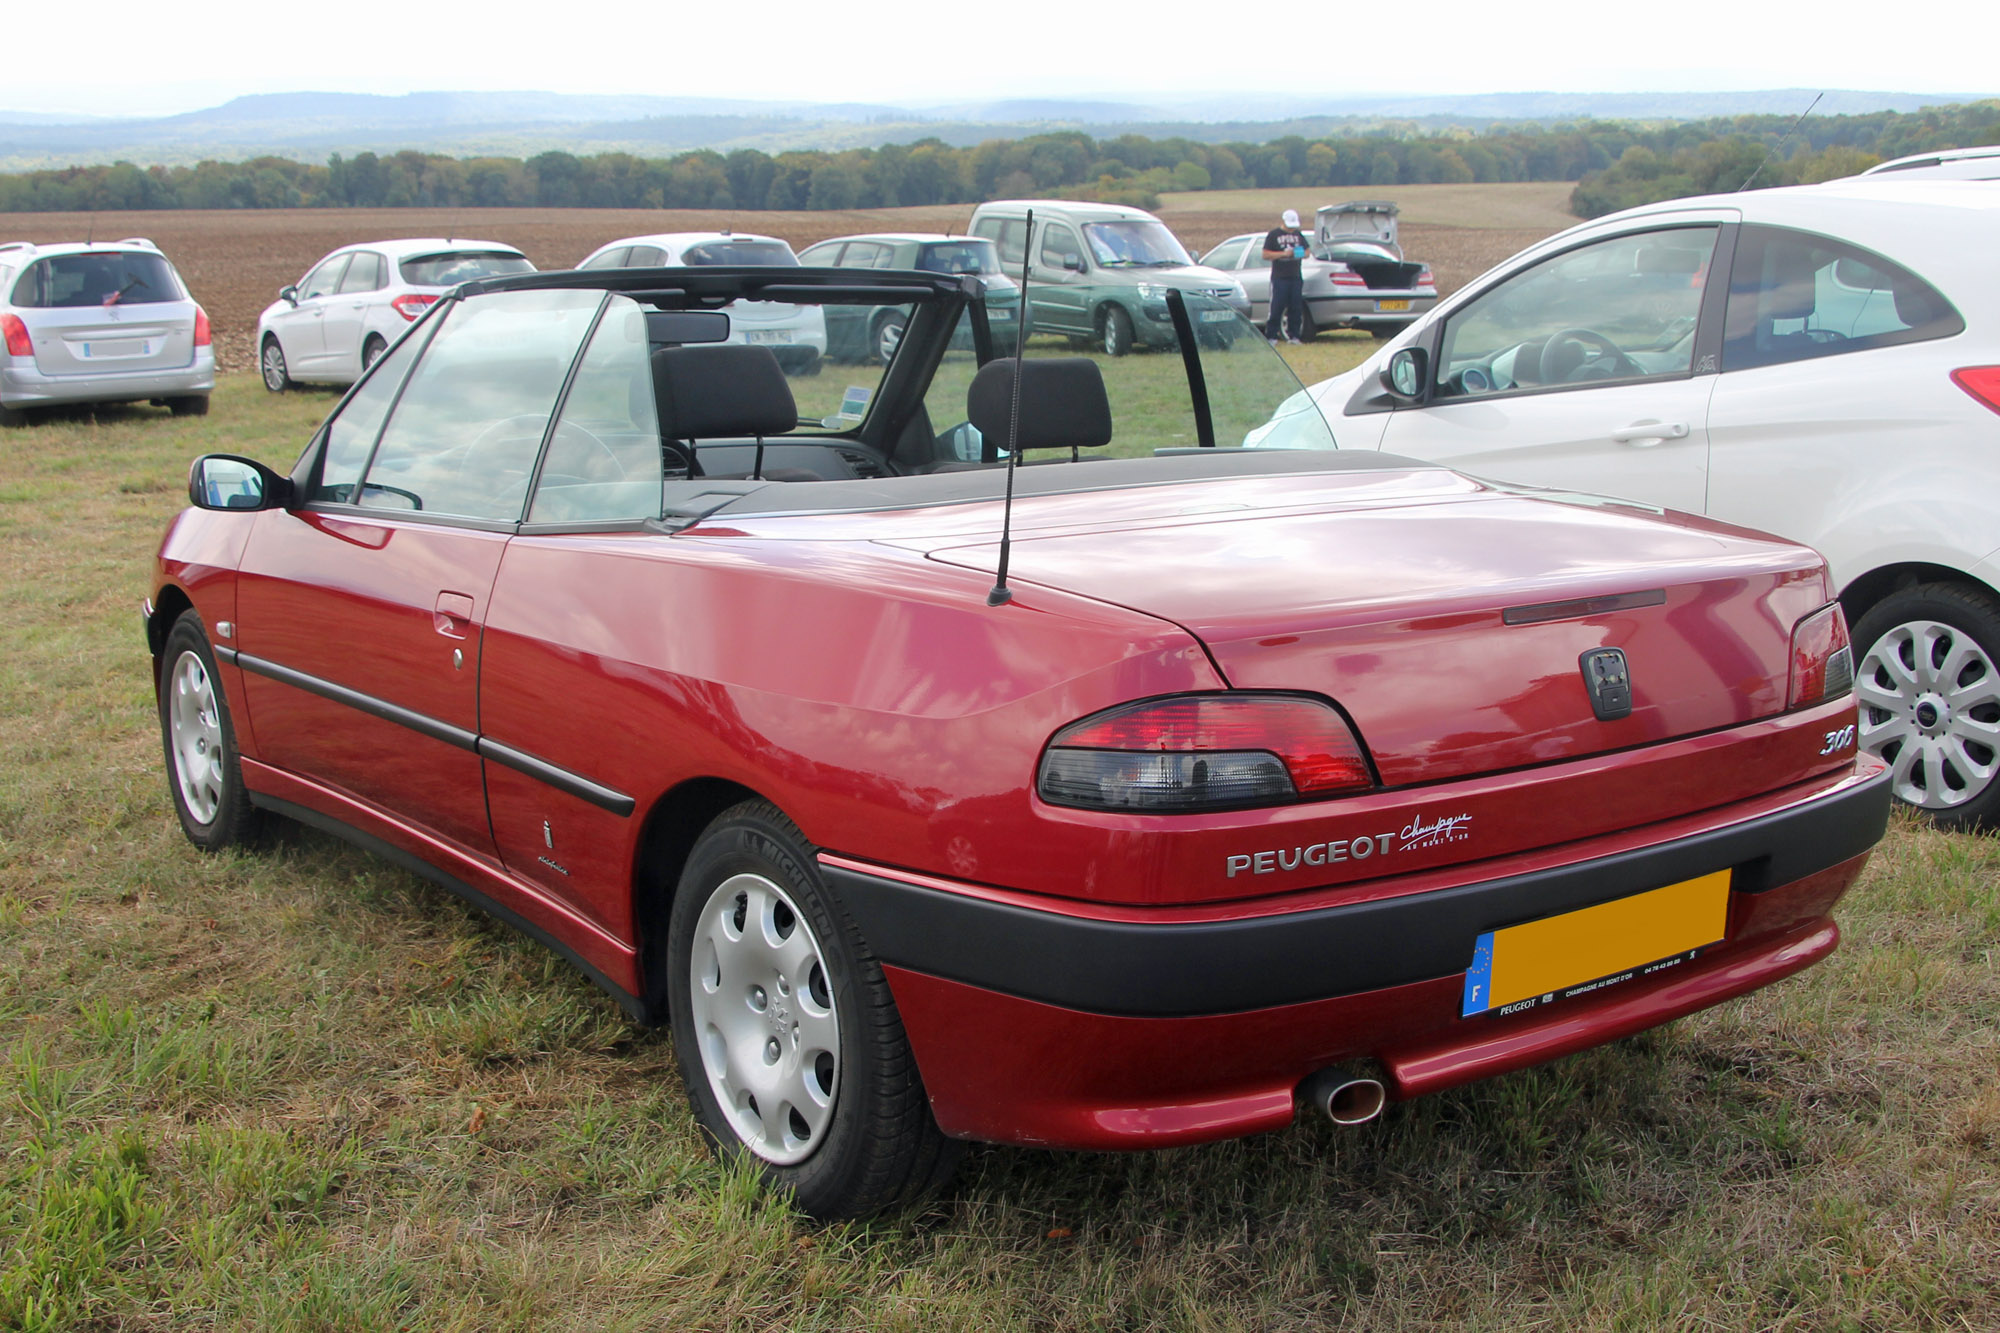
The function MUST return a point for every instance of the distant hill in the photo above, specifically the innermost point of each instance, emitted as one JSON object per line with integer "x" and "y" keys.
{"x": 309, "y": 126}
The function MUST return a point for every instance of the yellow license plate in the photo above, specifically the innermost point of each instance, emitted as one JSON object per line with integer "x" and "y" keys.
{"x": 1392, "y": 305}
{"x": 1558, "y": 957}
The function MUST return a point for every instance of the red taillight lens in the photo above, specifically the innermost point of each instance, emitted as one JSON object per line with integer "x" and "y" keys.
{"x": 411, "y": 304}
{"x": 1204, "y": 752}
{"x": 203, "y": 337}
{"x": 1424, "y": 278}
{"x": 1982, "y": 382}
{"x": 18, "y": 343}
{"x": 1343, "y": 276}
{"x": 1822, "y": 658}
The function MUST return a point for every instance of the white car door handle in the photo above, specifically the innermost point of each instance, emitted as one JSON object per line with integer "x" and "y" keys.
{"x": 1642, "y": 434}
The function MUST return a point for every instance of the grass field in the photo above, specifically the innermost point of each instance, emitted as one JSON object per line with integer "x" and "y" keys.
{"x": 300, "y": 1090}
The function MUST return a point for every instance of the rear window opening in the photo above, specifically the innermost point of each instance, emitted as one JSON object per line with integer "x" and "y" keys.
{"x": 107, "y": 278}
{"x": 775, "y": 253}
{"x": 448, "y": 270}
{"x": 959, "y": 257}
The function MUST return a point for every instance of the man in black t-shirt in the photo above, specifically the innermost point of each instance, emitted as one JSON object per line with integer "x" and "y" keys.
{"x": 1285, "y": 247}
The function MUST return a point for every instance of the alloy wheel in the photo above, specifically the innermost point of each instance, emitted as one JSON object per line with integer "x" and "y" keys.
{"x": 1930, "y": 708}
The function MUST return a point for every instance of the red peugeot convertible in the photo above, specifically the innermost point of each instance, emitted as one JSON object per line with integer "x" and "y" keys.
{"x": 993, "y": 747}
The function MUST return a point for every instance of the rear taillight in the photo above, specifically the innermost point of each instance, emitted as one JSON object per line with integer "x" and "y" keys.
{"x": 1822, "y": 658}
{"x": 1982, "y": 382}
{"x": 203, "y": 337}
{"x": 411, "y": 304}
{"x": 1424, "y": 278}
{"x": 18, "y": 343}
{"x": 1340, "y": 275}
{"x": 1204, "y": 752}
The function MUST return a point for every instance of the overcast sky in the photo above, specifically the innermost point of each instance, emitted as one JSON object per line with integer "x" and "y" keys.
{"x": 116, "y": 57}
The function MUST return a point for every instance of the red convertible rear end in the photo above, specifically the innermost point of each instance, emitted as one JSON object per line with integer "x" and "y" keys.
{"x": 970, "y": 748}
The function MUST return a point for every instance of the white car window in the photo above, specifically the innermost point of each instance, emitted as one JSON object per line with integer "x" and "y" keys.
{"x": 1794, "y": 296}
{"x": 323, "y": 280}
{"x": 1623, "y": 308}
{"x": 1227, "y": 255}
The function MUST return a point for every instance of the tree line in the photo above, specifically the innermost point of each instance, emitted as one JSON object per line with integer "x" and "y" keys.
{"x": 1616, "y": 165}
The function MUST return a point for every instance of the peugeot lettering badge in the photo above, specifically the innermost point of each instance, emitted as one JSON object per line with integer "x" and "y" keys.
{"x": 1609, "y": 683}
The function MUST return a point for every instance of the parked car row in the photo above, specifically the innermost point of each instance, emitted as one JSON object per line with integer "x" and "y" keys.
{"x": 1355, "y": 277}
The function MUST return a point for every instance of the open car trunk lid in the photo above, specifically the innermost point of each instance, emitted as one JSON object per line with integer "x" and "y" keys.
{"x": 1446, "y": 617}
{"x": 1356, "y": 220}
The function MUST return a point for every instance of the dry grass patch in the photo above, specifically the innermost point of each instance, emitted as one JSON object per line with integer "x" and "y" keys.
{"x": 297, "y": 1089}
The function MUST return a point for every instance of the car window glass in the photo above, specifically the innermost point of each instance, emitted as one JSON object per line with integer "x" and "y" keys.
{"x": 464, "y": 437}
{"x": 364, "y": 274}
{"x": 645, "y": 256}
{"x": 1059, "y": 243}
{"x": 959, "y": 256}
{"x": 739, "y": 252}
{"x": 605, "y": 459}
{"x": 1794, "y": 296}
{"x": 824, "y": 255}
{"x": 863, "y": 254}
{"x": 112, "y": 277}
{"x": 1138, "y": 243}
{"x": 612, "y": 258}
{"x": 325, "y": 279}
{"x": 1227, "y": 255}
{"x": 450, "y": 269}
{"x": 351, "y": 434}
{"x": 1011, "y": 234}
{"x": 1623, "y": 308}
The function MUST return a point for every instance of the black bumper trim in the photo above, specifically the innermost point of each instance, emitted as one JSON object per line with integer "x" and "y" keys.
{"x": 1180, "y": 969}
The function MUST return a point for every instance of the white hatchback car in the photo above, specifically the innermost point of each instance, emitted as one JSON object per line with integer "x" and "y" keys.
{"x": 331, "y": 325}
{"x": 102, "y": 322}
{"x": 1821, "y": 361}
{"x": 795, "y": 334}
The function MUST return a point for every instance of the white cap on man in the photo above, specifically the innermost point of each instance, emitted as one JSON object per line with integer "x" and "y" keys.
{"x": 1291, "y": 218}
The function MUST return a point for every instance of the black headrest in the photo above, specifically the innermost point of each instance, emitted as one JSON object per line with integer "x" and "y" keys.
{"x": 1062, "y": 403}
{"x": 725, "y": 389}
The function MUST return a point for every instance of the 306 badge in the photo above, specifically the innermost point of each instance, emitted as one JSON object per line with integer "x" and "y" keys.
{"x": 1838, "y": 739}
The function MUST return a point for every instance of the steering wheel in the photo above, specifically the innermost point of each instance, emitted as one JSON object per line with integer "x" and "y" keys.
{"x": 1568, "y": 351}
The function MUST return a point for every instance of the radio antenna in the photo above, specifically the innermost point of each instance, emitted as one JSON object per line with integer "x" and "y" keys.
{"x": 1771, "y": 153}
{"x": 1001, "y": 594}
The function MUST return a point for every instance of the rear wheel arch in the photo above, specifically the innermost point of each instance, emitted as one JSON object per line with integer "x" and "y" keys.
{"x": 671, "y": 827}
{"x": 1863, "y": 593}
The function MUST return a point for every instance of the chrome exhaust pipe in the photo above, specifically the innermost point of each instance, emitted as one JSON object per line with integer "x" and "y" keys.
{"x": 1344, "y": 1095}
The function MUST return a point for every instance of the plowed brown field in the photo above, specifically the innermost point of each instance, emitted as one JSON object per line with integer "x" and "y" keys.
{"x": 235, "y": 261}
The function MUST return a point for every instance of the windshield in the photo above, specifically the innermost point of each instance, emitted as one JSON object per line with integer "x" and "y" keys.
{"x": 451, "y": 268}
{"x": 740, "y": 252}
{"x": 113, "y": 277}
{"x": 966, "y": 256}
{"x": 1142, "y": 244}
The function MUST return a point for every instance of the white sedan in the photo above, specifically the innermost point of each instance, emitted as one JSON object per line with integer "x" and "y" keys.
{"x": 796, "y": 334}
{"x": 1822, "y": 362}
{"x": 353, "y": 304}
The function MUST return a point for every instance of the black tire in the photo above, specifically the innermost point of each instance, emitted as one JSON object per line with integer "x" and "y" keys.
{"x": 876, "y": 1144}
{"x": 12, "y": 416}
{"x": 271, "y": 365}
{"x": 1381, "y": 333}
{"x": 193, "y": 405}
{"x": 885, "y": 337}
{"x": 1114, "y": 331}
{"x": 1308, "y": 330}
{"x": 204, "y": 773}
{"x": 371, "y": 351}
{"x": 1927, "y": 679}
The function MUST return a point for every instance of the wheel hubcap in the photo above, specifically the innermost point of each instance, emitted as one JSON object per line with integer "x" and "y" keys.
{"x": 887, "y": 341}
{"x": 194, "y": 730}
{"x": 764, "y": 1016}
{"x": 1930, "y": 707}
{"x": 274, "y": 367}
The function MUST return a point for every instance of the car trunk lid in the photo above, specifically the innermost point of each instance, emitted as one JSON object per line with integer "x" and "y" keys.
{"x": 1446, "y": 617}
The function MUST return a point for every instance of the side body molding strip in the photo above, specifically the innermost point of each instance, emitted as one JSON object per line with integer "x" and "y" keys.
{"x": 574, "y": 784}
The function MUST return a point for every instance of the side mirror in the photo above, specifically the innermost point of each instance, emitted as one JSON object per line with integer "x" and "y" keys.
{"x": 1406, "y": 372}
{"x": 1074, "y": 263}
{"x": 225, "y": 481}
{"x": 289, "y": 293}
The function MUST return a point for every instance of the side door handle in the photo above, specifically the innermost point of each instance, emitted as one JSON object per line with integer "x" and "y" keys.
{"x": 453, "y": 616}
{"x": 1645, "y": 434}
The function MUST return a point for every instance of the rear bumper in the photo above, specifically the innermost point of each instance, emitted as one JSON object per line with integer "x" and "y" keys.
{"x": 23, "y": 385}
{"x": 1072, "y": 1027}
{"x": 1360, "y": 312}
